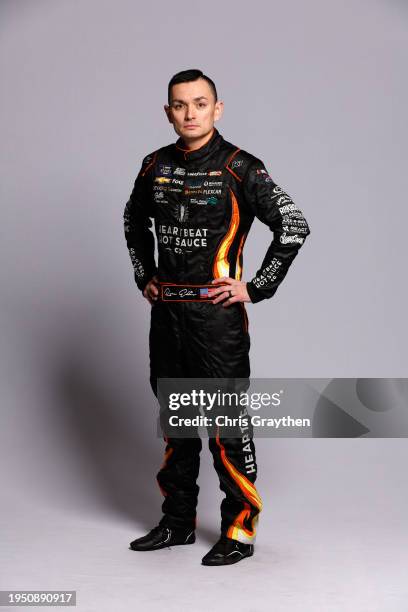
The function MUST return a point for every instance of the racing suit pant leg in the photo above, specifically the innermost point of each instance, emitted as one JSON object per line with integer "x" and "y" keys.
{"x": 179, "y": 472}
{"x": 177, "y": 481}
{"x": 233, "y": 456}
{"x": 235, "y": 463}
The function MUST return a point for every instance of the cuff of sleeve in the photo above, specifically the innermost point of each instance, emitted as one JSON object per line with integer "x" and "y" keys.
{"x": 254, "y": 293}
{"x": 142, "y": 282}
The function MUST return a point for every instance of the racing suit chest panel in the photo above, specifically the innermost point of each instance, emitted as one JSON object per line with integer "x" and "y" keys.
{"x": 196, "y": 197}
{"x": 192, "y": 209}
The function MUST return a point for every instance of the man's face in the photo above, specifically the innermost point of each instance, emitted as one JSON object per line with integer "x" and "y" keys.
{"x": 193, "y": 110}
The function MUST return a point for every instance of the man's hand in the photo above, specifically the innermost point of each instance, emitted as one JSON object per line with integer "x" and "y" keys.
{"x": 234, "y": 290}
{"x": 151, "y": 291}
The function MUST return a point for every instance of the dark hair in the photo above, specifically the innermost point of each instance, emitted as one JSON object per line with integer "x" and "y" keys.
{"x": 190, "y": 75}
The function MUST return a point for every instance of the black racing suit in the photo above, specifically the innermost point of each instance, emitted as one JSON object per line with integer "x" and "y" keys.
{"x": 203, "y": 203}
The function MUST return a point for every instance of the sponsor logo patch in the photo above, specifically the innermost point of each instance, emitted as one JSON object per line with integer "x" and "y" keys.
{"x": 198, "y": 202}
{"x": 236, "y": 163}
{"x": 212, "y": 183}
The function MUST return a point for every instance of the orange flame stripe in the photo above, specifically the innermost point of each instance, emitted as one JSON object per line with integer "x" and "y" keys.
{"x": 238, "y": 270}
{"x": 221, "y": 265}
{"x": 244, "y": 484}
{"x": 237, "y": 530}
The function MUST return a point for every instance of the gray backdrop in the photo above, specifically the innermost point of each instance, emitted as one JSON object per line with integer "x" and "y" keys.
{"x": 318, "y": 91}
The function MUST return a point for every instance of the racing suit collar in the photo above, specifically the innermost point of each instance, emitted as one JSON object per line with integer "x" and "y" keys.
{"x": 201, "y": 154}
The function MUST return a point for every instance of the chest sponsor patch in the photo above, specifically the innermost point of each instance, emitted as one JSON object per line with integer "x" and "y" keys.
{"x": 179, "y": 172}
{"x": 163, "y": 169}
{"x": 179, "y": 238}
{"x": 212, "y": 183}
{"x": 198, "y": 202}
{"x": 159, "y": 197}
{"x": 209, "y": 192}
{"x": 192, "y": 183}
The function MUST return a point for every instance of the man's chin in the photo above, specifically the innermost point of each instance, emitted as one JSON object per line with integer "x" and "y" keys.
{"x": 191, "y": 134}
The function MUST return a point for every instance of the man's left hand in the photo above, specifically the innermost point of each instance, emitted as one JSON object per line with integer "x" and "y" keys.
{"x": 229, "y": 290}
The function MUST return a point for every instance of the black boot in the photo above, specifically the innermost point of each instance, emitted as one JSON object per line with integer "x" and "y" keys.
{"x": 162, "y": 536}
{"x": 227, "y": 551}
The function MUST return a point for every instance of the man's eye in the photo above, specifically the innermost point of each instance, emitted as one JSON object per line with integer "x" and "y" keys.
{"x": 202, "y": 104}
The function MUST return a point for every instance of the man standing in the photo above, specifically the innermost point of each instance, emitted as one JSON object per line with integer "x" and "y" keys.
{"x": 203, "y": 194}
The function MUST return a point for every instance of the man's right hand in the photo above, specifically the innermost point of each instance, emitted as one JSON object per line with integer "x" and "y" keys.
{"x": 151, "y": 291}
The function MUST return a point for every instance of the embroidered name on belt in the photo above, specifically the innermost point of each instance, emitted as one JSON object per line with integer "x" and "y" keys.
{"x": 184, "y": 293}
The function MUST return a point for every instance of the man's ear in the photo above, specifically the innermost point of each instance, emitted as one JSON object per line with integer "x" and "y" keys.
{"x": 168, "y": 113}
{"x": 219, "y": 109}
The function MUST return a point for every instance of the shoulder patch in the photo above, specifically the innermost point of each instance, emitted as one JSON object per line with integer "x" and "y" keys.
{"x": 148, "y": 162}
{"x": 238, "y": 163}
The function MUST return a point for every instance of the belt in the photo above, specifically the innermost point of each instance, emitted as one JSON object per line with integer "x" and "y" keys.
{"x": 172, "y": 292}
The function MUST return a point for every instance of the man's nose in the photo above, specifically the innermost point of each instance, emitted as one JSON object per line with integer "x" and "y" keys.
{"x": 190, "y": 111}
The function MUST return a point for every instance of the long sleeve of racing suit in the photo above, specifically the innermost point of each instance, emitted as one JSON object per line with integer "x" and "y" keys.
{"x": 271, "y": 205}
{"x": 137, "y": 224}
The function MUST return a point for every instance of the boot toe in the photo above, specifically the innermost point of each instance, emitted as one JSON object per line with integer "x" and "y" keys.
{"x": 227, "y": 552}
